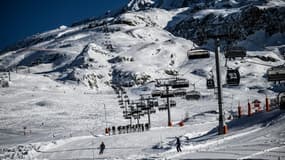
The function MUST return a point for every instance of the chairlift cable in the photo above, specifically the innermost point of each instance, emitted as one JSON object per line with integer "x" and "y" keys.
{"x": 259, "y": 63}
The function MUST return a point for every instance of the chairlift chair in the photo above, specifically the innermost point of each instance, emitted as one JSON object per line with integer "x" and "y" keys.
{"x": 126, "y": 112}
{"x": 276, "y": 73}
{"x": 156, "y": 103}
{"x": 150, "y": 104}
{"x": 162, "y": 107}
{"x": 172, "y": 103}
{"x": 153, "y": 103}
{"x": 233, "y": 77}
{"x": 127, "y": 117}
{"x": 235, "y": 51}
{"x": 210, "y": 83}
{"x": 197, "y": 53}
{"x": 193, "y": 95}
{"x": 152, "y": 110}
{"x": 156, "y": 93}
{"x": 164, "y": 95}
{"x": 179, "y": 92}
{"x": 179, "y": 83}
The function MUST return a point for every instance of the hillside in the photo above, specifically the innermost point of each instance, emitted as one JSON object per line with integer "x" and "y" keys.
{"x": 62, "y": 79}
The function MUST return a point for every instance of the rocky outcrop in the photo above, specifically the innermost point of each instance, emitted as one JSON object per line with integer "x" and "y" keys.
{"x": 237, "y": 25}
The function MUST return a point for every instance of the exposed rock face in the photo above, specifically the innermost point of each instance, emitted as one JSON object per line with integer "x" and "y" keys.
{"x": 237, "y": 25}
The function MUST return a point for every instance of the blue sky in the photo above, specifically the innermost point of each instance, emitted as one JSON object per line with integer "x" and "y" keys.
{"x": 22, "y": 18}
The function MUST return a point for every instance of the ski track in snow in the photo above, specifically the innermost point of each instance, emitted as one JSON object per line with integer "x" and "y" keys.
{"x": 261, "y": 152}
{"x": 192, "y": 148}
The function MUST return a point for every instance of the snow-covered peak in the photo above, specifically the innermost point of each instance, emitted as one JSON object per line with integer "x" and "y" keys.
{"x": 135, "y": 5}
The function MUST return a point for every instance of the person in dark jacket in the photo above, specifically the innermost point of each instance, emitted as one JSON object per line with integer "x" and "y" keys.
{"x": 178, "y": 145}
{"x": 102, "y": 147}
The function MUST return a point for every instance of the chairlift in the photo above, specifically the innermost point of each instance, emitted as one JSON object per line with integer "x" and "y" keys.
{"x": 179, "y": 83}
{"x": 165, "y": 95}
{"x": 235, "y": 51}
{"x": 197, "y": 53}
{"x": 179, "y": 92}
{"x": 156, "y": 93}
{"x": 162, "y": 107}
{"x": 193, "y": 95}
{"x": 126, "y": 112}
{"x": 122, "y": 106}
{"x": 172, "y": 103}
{"x": 233, "y": 77}
{"x": 152, "y": 110}
{"x": 136, "y": 117}
{"x": 141, "y": 105}
{"x": 210, "y": 83}
{"x": 131, "y": 107}
{"x": 276, "y": 73}
{"x": 127, "y": 117}
{"x": 153, "y": 103}
{"x": 136, "y": 112}
{"x": 145, "y": 108}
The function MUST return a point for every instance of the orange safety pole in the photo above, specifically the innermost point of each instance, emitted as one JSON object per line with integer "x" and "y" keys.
{"x": 267, "y": 105}
{"x": 239, "y": 111}
{"x": 225, "y": 129}
{"x": 249, "y": 109}
{"x": 181, "y": 123}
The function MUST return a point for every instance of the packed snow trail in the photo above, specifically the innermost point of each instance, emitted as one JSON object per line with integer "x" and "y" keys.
{"x": 123, "y": 146}
{"x": 264, "y": 139}
{"x": 200, "y": 144}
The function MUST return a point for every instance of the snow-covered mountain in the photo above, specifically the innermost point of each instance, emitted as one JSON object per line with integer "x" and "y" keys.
{"x": 60, "y": 79}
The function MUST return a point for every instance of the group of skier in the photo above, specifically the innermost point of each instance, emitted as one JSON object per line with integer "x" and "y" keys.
{"x": 178, "y": 146}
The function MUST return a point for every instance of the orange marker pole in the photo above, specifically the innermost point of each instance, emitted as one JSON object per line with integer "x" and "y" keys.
{"x": 225, "y": 129}
{"x": 239, "y": 111}
{"x": 267, "y": 105}
{"x": 248, "y": 108}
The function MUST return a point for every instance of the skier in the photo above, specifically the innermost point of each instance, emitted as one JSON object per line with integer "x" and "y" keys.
{"x": 102, "y": 147}
{"x": 178, "y": 145}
